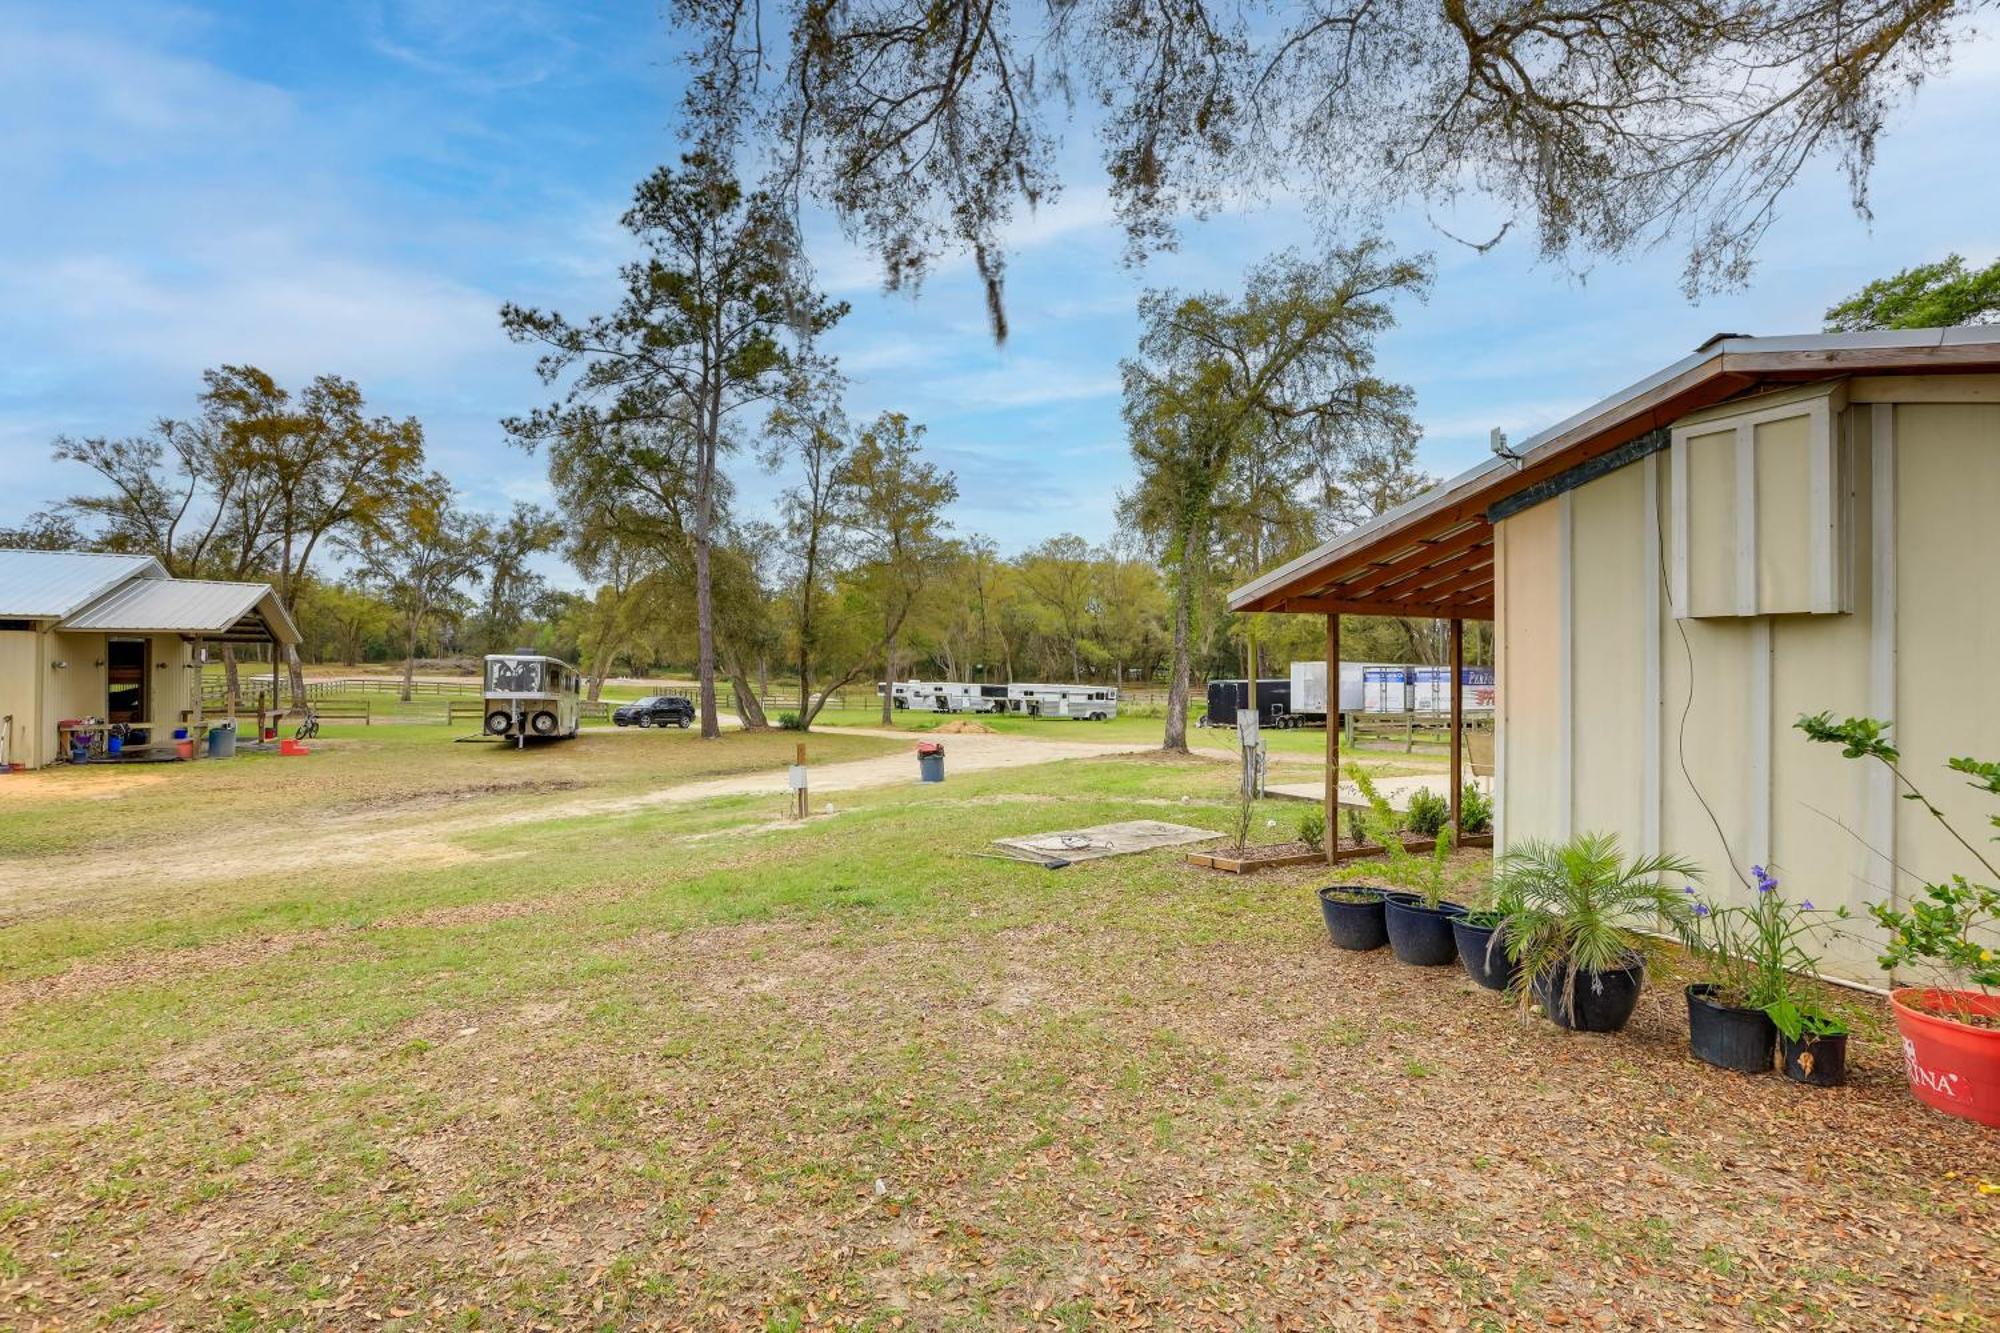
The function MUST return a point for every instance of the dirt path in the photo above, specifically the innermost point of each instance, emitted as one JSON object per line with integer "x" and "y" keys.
{"x": 426, "y": 835}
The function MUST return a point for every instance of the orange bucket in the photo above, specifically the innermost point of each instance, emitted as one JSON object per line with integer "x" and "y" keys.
{"x": 184, "y": 749}
{"x": 1953, "y": 1066}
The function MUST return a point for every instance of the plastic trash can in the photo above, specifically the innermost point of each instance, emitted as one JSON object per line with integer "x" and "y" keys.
{"x": 222, "y": 741}
{"x": 114, "y": 745}
{"x": 930, "y": 761}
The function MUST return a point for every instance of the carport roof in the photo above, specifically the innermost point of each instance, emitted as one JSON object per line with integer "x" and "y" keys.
{"x": 1433, "y": 556}
{"x": 48, "y": 585}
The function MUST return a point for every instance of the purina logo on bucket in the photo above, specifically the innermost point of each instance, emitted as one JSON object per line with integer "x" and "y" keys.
{"x": 1944, "y": 1085}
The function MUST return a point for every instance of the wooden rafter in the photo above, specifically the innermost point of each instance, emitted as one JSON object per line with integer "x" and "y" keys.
{"x": 1478, "y": 557}
{"x": 1375, "y": 576}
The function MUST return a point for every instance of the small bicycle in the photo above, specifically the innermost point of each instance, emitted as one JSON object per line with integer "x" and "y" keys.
{"x": 309, "y": 728}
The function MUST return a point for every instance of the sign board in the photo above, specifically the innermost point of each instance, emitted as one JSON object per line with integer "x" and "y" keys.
{"x": 797, "y": 777}
{"x": 1431, "y": 689}
{"x": 1385, "y": 689}
{"x": 1248, "y": 727}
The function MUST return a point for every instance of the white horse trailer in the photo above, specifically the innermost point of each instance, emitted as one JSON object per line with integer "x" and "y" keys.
{"x": 529, "y": 696}
{"x": 1094, "y": 703}
{"x": 1091, "y": 703}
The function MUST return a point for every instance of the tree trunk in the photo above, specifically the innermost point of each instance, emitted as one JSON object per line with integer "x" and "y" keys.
{"x": 295, "y": 670}
{"x": 1178, "y": 673}
{"x": 232, "y": 688}
{"x": 409, "y": 664}
{"x": 749, "y": 708}
{"x": 889, "y": 681}
{"x": 704, "y": 612}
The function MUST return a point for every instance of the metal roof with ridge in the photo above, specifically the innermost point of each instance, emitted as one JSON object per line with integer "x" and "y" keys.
{"x": 95, "y": 593}
{"x": 48, "y": 585}
{"x": 205, "y": 608}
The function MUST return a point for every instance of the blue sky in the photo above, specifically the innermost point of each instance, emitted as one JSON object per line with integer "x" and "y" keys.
{"x": 356, "y": 187}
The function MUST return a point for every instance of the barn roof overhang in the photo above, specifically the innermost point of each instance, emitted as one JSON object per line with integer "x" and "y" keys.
{"x": 206, "y": 609}
{"x": 1433, "y": 556}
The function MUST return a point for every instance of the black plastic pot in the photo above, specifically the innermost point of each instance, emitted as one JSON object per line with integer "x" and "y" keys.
{"x": 1420, "y": 935}
{"x": 1820, "y": 1061}
{"x": 1597, "y": 1001}
{"x": 1484, "y": 952}
{"x": 1729, "y": 1037}
{"x": 1356, "y": 926}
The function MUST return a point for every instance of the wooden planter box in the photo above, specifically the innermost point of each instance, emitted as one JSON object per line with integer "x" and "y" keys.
{"x": 1242, "y": 864}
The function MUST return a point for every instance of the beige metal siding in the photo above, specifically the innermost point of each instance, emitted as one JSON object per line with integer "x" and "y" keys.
{"x": 1530, "y": 693}
{"x": 20, "y": 674}
{"x": 1922, "y": 651}
{"x": 1609, "y": 566}
{"x": 1948, "y": 619}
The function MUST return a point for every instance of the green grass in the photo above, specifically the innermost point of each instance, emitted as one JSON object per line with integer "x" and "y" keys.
{"x": 354, "y": 769}
{"x": 696, "y": 1066}
{"x": 1135, "y": 728}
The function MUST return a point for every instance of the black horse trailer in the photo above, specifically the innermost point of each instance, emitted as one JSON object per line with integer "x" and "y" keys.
{"x": 1227, "y": 697}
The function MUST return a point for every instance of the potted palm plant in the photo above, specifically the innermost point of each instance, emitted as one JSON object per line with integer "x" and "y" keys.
{"x": 1579, "y": 929}
{"x": 1951, "y": 1027}
{"x": 1418, "y": 919}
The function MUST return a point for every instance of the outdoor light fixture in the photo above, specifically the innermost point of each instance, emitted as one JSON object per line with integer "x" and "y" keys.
{"x": 59, "y": 666}
{"x": 98, "y": 663}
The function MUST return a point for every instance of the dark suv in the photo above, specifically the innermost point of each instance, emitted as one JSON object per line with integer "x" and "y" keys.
{"x": 662, "y": 710}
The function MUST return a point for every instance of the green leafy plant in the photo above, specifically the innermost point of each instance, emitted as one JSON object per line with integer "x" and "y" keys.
{"x": 1948, "y": 931}
{"x": 1494, "y": 903}
{"x": 1582, "y": 906}
{"x": 1357, "y": 827}
{"x": 789, "y": 721}
{"x": 1760, "y": 954}
{"x": 1428, "y": 813}
{"x": 1424, "y": 876}
{"x": 1475, "y": 809}
{"x": 1312, "y": 828}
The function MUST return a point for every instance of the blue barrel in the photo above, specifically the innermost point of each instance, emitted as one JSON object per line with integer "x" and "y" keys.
{"x": 222, "y": 741}
{"x": 930, "y": 762}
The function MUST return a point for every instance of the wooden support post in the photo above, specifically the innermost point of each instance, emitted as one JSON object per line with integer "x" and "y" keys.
{"x": 1331, "y": 798}
{"x": 800, "y": 807}
{"x": 1457, "y": 727}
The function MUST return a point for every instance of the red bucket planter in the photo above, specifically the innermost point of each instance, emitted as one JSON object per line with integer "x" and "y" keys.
{"x": 1953, "y": 1066}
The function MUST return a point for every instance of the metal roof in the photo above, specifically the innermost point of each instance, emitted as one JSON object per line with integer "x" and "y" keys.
{"x": 48, "y": 585}
{"x": 1426, "y": 556}
{"x": 188, "y": 606}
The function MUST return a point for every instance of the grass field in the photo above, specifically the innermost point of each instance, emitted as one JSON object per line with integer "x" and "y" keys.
{"x": 692, "y": 1066}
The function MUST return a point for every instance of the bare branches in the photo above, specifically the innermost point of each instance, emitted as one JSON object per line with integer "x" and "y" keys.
{"x": 1614, "y": 125}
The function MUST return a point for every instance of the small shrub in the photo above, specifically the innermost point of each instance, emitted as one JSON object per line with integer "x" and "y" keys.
{"x": 1475, "y": 809}
{"x": 1423, "y": 875}
{"x": 790, "y": 721}
{"x": 1312, "y": 828}
{"x": 1429, "y": 813}
{"x": 1357, "y": 827}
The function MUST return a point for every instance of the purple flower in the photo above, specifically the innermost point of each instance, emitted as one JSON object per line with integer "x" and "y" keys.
{"x": 1689, "y": 890}
{"x": 1765, "y": 880}
{"x": 1807, "y": 905}
{"x": 1701, "y": 909}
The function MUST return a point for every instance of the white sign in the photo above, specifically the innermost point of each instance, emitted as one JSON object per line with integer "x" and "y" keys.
{"x": 798, "y": 777}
